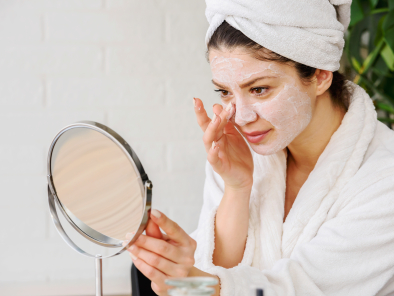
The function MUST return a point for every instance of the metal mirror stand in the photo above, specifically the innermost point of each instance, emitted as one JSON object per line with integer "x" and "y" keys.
{"x": 53, "y": 200}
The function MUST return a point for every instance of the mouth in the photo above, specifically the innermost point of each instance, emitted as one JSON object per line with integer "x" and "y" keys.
{"x": 255, "y": 137}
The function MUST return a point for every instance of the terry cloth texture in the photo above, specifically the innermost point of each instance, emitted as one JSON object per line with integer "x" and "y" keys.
{"x": 310, "y": 32}
{"x": 338, "y": 238}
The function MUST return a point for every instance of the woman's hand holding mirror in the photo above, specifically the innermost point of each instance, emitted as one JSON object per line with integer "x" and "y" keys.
{"x": 227, "y": 151}
{"x": 162, "y": 258}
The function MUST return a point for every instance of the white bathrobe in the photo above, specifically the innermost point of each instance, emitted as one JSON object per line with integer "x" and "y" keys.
{"x": 338, "y": 238}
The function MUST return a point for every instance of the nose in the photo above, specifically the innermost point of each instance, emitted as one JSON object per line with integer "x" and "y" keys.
{"x": 244, "y": 114}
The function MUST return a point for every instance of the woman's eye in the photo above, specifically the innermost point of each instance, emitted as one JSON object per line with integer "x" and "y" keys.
{"x": 259, "y": 90}
{"x": 222, "y": 92}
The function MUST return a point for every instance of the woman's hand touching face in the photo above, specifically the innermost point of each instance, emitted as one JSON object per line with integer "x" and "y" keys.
{"x": 164, "y": 255}
{"x": 227, "y": 151}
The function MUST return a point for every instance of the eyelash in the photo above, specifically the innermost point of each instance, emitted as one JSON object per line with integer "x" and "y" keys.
{"x": 221, "y": 91}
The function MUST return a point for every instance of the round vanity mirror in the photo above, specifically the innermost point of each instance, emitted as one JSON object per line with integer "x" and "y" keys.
{"x": 98, "y": 184}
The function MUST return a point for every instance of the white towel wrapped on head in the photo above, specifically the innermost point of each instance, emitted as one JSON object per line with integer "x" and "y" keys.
{"x": 310, "y": 32}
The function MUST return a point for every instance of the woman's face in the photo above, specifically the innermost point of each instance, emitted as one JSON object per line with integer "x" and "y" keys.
{"x": 272, "y": 105}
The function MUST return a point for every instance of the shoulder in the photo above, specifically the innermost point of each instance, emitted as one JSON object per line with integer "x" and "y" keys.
{"x": 375, "y": 177}
{"x": 378, "y": 161}
{"x": 381, "y": 146}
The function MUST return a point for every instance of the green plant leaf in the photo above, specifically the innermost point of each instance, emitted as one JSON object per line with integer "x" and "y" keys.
{"x": 374, "y": 71}
{"x": 379, "y": 31}
{"x": 354, "y": 44}
{"x": 379, "y": 10}
{"x": 373, "y": 3}
{"x": 357, "y": 13}
{"x": 386, "y": 120}
{"x": 388, "y": 56}
{"x": 380, "y": 68}
{"x": 387, "y": 88}
{"x": 354, "y": 40}
{"x": 373, "y": 24}
{"x": 385, "y": 91}
{"x": 385, "y": 107}
{"x": 388, "y": 29}
{"x": 356, "y": 64}
{"x": 391, "y": 4}
{"x": 371, "y": 58}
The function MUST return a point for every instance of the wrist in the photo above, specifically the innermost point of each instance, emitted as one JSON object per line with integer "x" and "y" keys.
{"x": 244, "y": 189}
{"x": 236, "y": 194}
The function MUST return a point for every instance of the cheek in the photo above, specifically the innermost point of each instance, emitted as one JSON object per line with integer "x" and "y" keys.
{"x": 290, "y": 108}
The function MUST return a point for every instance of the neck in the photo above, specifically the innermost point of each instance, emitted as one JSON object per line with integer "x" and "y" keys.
{"x": 307, "y": 147}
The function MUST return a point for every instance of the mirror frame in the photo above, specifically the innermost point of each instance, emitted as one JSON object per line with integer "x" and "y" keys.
{"x": 83, "y": 229}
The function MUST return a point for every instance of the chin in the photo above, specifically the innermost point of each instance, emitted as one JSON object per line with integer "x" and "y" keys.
{"x": 266, "y": 148}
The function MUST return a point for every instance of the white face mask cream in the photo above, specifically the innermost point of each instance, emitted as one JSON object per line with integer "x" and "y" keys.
{"x": 288, "y": 110}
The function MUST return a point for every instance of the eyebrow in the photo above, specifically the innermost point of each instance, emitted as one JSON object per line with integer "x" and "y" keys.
{"x": 246, "y": 84}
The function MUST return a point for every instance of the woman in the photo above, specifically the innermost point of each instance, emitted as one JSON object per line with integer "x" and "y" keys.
{"x": 299, "y": 194}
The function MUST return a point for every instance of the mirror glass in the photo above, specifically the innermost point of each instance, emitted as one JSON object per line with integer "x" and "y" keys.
{"x": 98, "y": 185}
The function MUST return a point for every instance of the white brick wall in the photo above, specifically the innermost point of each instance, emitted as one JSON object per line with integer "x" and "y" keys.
{"x": 134, "y": 65}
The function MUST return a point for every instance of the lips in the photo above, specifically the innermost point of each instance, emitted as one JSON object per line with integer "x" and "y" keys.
{"x": 255, "y": 137}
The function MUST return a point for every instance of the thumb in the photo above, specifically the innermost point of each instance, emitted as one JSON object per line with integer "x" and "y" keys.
{"x": 153, "y": 230}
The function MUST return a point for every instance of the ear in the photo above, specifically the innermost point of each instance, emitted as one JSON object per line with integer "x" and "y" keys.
{"x": 323, "y": 81}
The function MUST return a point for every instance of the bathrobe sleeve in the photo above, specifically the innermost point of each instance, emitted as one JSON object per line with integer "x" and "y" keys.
{"x": 352, "y": 253}
{"x": 205, "y": 232}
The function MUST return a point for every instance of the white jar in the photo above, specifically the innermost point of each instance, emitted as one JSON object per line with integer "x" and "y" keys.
{"x": 192, "y": 286}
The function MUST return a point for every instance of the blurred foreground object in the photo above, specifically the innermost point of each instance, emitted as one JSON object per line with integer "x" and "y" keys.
{"x": 192, "y": 286}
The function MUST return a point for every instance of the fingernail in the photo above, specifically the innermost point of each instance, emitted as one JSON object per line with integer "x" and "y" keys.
{"x": 195, "y": 104}
{"x": 129, "y": 235}
{"x": 213, "y": 145}
{"x": 124, "y": 243}
{"x": 231, "y": 113}
{"x": 155, "y": 213}
{"x": 229, "y": 106}
{"x": 134, "y": 257}
{"x": 213, "y": 118}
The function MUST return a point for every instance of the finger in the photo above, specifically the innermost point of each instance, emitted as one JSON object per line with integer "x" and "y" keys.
{"x": 202, "y": 118}
{"x": 217, "y": 108}
{"x": 225, "y": 115}
{"x": 162, "y": 264}
{"x": 230, "y": 128}
{"x": 153, "y": 230}
{"x": 210, "y": 134}
{"x": 160, "y": 290}
{"x": 159, "y": 247}
{"x": 213, "y": 155}
{"x": 150, "y": 272}
{"x": 129, "y": 235}
{"x": 173, "y": 230}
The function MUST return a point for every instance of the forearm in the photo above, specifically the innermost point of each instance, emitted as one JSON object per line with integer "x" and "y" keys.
{"x": 231, "y": 227}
